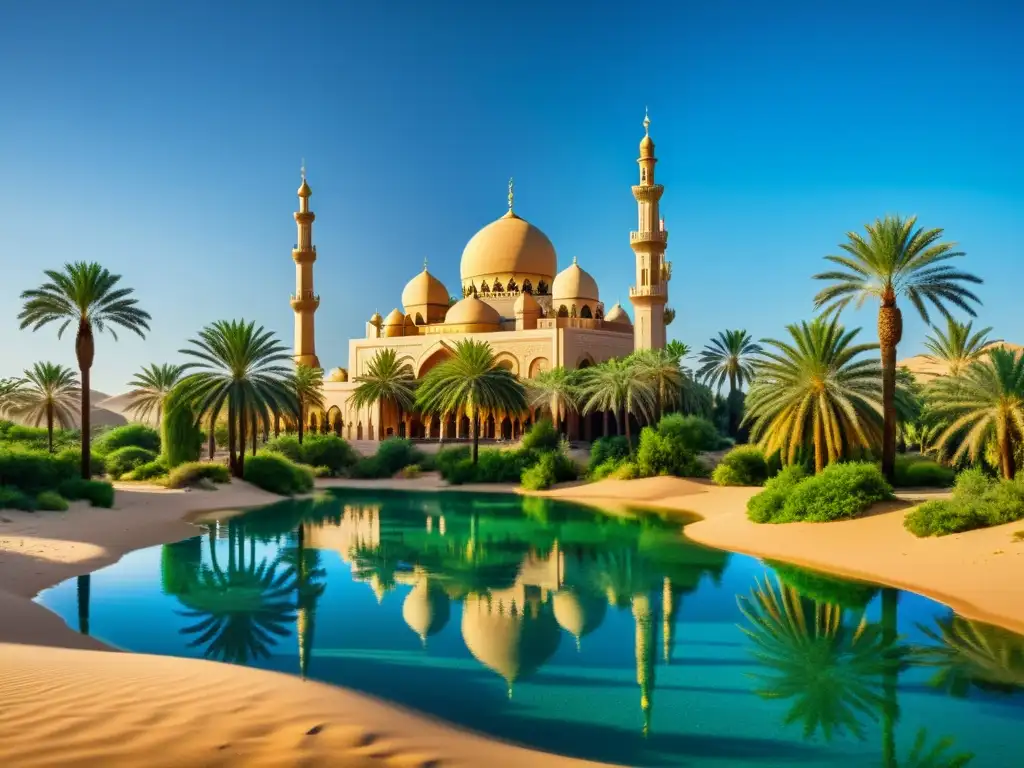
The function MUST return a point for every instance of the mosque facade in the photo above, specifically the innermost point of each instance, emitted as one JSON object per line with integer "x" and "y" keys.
{"x": 513, "y": 296}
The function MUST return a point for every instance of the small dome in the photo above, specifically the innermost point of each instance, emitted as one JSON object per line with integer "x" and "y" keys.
{"x": 506, "y": 248}
{"x": 472, "y": 311}
{"x": 393, "y": 323}
{"x": 376, "y": 319}
{"x": 512, "y": 644}
{"x": 426, "y": 609}
{"x": 526, "y": 304}
{"x": 579, "y": 616}
{"x": 617, "y": 315}
{"x": 574, "y": 282}
{"x": 424, "y": 289}
{"x": 304, "y": 190}
{"x": 646, "y": 147}
{"x": 338, "y": 374}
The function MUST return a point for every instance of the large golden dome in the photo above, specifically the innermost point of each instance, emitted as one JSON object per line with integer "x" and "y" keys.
{"x": 508, "y": 247}
{"x": 513, "y": 644}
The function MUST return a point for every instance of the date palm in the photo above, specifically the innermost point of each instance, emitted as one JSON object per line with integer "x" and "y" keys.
{"x": 150, "y": 388}
{"x": 556, "y": 390}
{"x": 308, "y": 385}
{"x": 661, "y": 369}
{"x": 986, "y": 402}
{"x": 387, "y": 379}
{"x": 817, "y": 390}
{"x": 51, "y": 394}
{"x": 958, "y": 346}
{"x": 729, "y": 357}
{"x": 615, "y": 386}
{"x": 678, "y": 349}
{"x": 86, "y": 295}
{"x": 471, "y": 380}
{"x": 895, "y": 258}
{"x": 9, "y": 391}
{"x": 241, "y": 367}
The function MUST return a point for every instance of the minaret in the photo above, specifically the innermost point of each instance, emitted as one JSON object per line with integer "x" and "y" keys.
{"x": 304, "y": 300}
{"x": 650, "y": 294}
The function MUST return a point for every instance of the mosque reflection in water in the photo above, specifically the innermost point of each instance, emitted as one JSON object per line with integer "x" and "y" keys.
{"x": 527, "y": 571}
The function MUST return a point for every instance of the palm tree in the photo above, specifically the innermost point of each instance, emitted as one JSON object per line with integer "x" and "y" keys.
{"x": 615, "y": 386}
{"x": 386, "y": 380}
{"x": 471, "y": 380}
{"x": 308, "y": 383}
{"x": 51, "y": 394}
{"x": 895, "y": 259}
{"x": 10, "y": 389}
{"x": 958, "y": 347}
{"x": 87, "y": 295}
{"x": 986, "y": 401}
{"x": 814, "y": 391}
{"x": 150, "y": 388}
{"x": 242, "y": 366}
{"x": 678, "y": 350}
{"x": 556, "y": 390}
{"x": 728, "y": 358}
{"x": 661, "y": 368}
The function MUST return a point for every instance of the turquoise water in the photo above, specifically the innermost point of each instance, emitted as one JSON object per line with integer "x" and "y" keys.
{"x": 549, "y": 625}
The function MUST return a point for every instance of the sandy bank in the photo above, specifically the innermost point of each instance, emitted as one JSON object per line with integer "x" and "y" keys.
{"x": 68, "y": 701}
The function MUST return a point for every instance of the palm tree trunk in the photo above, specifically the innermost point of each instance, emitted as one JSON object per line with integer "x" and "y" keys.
{"x": 85, "y": 351}
{"x": 475, "y": 426}
{"x": 49, "y": 427}
{"x": 819, "y": 446}
{"x": 255, "y": 433}
{"x": 890, "y": 331}
{"x": 84, "y": 588}
{"x": 302, "y": 417}
{"x": 213, "y": 436}
{"x": 277, "y": 425}
{"x": 232, "y": 463}
{"x": 629, "y": 436}
{"x": 1007, "y": 459}
{"x": 241, "y": 442}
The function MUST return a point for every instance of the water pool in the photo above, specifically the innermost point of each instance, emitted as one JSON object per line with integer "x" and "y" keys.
{"x": 605, "y": 637}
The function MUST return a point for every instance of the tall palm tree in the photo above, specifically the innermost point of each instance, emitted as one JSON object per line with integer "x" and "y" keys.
{"x": 471, "y": 380}
{"x": 9, "y": 392}
{"x": 240, "y": 366}
{"x": 615, "y": 386}
{"x": 150, "y": 387}
{"x": 556, "y": 390}
{"x": 986, "y": 402}
{"x": 51, "y": 395}
{"x": 87, "y": 295}
{"x": 958, "y": 346}
{"x": 387, "y": 379}
{"x": 729, "y": 357}
{"x": 678, "y": 349}
{"x": 308, "y": 384}
{"x": 661, "y": 368}
{"x": 813, "y": 390}
{"x": 896, "y": 258}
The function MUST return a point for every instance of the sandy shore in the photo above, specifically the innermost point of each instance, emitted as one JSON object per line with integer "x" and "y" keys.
{"x": 67, "y": 700}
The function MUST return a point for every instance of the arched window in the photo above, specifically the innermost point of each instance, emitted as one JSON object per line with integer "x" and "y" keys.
{"x": 542, "y": 288}
{"x": 585, "y": 312}
{"x": 497, "y": 288}
{"x": 527, "y": 286}
{"x": 599, "y": 314}
{"x": 512, "y": 287}
{"x": 419, "y": 319}
{"x": 643, "y": 174}
{"x": 563, "y": 311}
{"x": 484, "y": 287}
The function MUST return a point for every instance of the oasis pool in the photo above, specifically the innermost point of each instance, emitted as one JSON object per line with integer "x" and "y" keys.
{"x": 611, "y": 638}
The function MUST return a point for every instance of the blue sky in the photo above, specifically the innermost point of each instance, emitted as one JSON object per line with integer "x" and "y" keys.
{"x": 164, "y": 140}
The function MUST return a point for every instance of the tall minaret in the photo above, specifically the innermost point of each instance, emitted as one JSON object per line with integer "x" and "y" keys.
{"x": 304, "y": 301}
{"x": 650, "y": 294}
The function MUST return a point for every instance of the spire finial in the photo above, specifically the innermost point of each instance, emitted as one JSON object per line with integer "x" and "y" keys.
{"x": 424, "y": 263}
{"x": 511, "y": 193}
{"x": 574, "y": 260}
{"x": 302, "y": 170}
{"x": 647, "y": 123}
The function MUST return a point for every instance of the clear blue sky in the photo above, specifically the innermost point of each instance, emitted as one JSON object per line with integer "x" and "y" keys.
{"x": 164, "y": 140}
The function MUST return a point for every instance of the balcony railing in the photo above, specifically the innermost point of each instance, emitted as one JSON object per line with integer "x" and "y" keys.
{"x": 653, "y": 236}
{"x": 649, "y": 290}
{"x": 305, "y": 296}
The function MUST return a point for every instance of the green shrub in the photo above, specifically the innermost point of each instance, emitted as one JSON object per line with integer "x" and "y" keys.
{"x": 37, "y": 438}
{"x": 626, "y": 470}
{"x": 542, "y": 436}
{"x": 150, "y": 471}
{"x": 978, "y": 501}
{"x": 73, "y": 456}
{"x": 135, "y": 435}
{"x": 500, "y": 465}
{"x": 838, "y": 492}
{"x": 915, "y": 471}
{"x": 123, "y": 460}
{"x": 448, "y": 458}
{"x": 277, "y": 474}
{"x": 767, "y": 505}
{"x": 51, "y": 501}
{"x": 552, "y": 467}
{"x": 411, "y": 472}
{"x": 666, "y": 454}
{"x": 607, "y": 468}
{"x": 97, "y": 492}
{"x": 181, "y": 436}
{"x": 745, "y": 465}
{"x": 691, "y": 432}
{"x": 367, "y": 468}
{"x": 33, "y": 471}
{"x": 14, "y": 498}
{"x": 461, "y": 472}
{"x": 189, "y": 475}
{"x": 605, "y": 450}
{"x": 328, "y": 451}
{"x": 287, "y": 445}
{"x": 323, "y": 472}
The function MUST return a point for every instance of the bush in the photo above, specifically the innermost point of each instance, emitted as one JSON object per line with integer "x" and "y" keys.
{"x": 607, "y": 451}
{"x": 277, "y": 474}
{"x": 33, "y": 471}
{"x": 328, "y": 451}
{"x": 51, "y": 501}
{"x": 745, "y": 465}
{"x": 448, "y": 458}
{"x": 767, "y": 505}
{"x": 411, "y": 472}
{"x": 915, "y": 471}
{"x": 461, "y": 472}
{"x": 36, "y": 437}
{"x": 150, "y": 471}
{"x": 180, "y": 434}
{"x": 607, "y": 468}
{"x": 626, "y": 470}
{"x": 323, "y": 472}
{"x": 135, "y": 435}
{"x": 394, "y": 454}
{"x": 73, "y": 456}
{"x": 97, "y": 492}
{"x": 691, "y": 432}
{"x": 542, "y": 436}
{"x": 552, "y": 467}
{"x": 500, "y": 465}
{"x": 191, "y": 474}
{"x": 838, "y": 492}
{"x": 666, "y": 454}
{"x": 123, "y": 460}
{"x": 287, "y": 445}
{"x": 13, "y": 498}
{"x": 978, "y": 501}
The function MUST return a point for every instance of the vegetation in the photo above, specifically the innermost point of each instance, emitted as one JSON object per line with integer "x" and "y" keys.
{"x": 958, "y": 346}
{"x": 670, "y": 448}
{"x": 729, "y": 357}
{"x": 978, "y": 501}
{"x": 557, "y": 391}
{"x": 743, "y": 465}
{"x": 615, "y": 386}
{"x": 124, "y": 460}
{"x": 151, "y": 471}
{"x": 84, "y": 295}
{"x": 195, "y": 473}
{"x": 97, "y": 492}
{"x": 51, "y": 501}
{"x": 150, "y": 388}
{"x": 393, "y": 455}
{"x": 308, "y": 387}
{"x": 181, "y": 438}
{"x": 839, "y": 492}
{"x": 273, "y": 472}
{"x": 895, "y": 259}
{"x": 917, "y": 471}
{"x": 48, "y": 393}
{"x": 387, "y": 379}
{"x": 127, "y": 436}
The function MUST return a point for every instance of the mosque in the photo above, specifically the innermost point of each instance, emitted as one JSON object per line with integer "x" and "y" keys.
{"x": 512, "y": 296}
